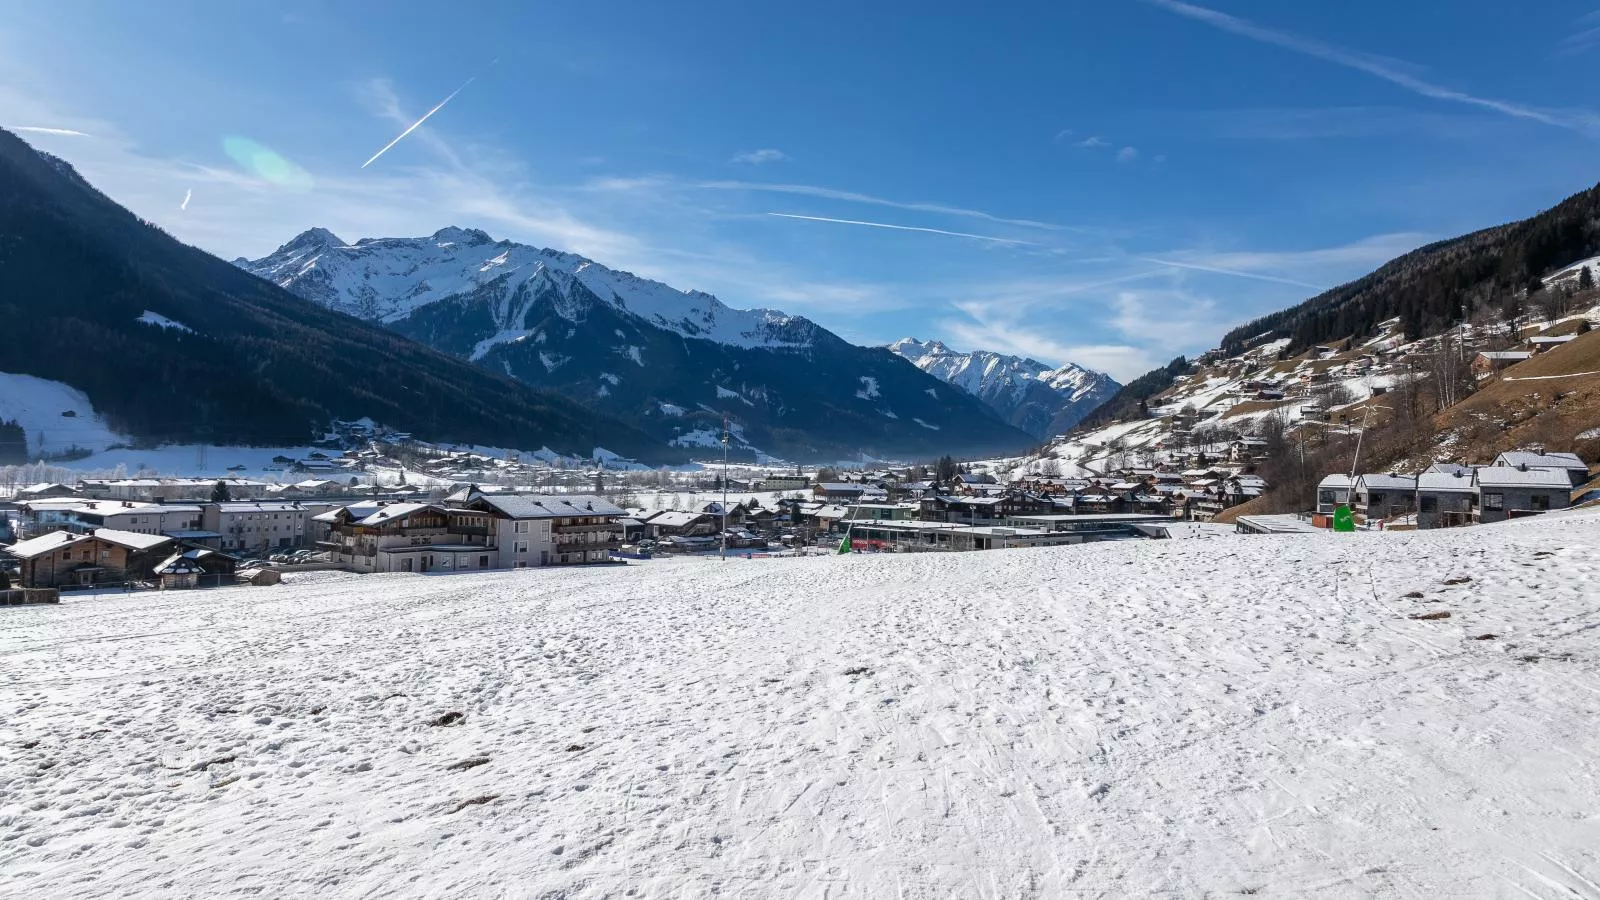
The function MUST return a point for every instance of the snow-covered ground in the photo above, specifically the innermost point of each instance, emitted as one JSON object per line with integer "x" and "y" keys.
{"x": 59, "y": 414}
{"x": 1246, "y": 715}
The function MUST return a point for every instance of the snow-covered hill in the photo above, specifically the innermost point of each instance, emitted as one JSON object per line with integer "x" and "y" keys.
{"x": 1237, "y": 716}
{"x": 1025, "y": 392}
{"x": 54, "y": 417}
{"x": 390, "y": 279}
{"x": 671, "y": 362}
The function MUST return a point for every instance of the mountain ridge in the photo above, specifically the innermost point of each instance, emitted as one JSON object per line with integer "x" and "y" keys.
{"x": 674, "y": 362}
{"x": 230, "y": 358}
{"x": 1023, "y": 391}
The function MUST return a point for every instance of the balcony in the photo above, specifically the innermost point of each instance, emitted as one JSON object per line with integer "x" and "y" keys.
{"x": 586, "y": 529}
{"x": 479, "y": 530}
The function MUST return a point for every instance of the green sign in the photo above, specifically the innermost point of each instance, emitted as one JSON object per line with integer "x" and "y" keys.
{"x": 1344, "y": 519}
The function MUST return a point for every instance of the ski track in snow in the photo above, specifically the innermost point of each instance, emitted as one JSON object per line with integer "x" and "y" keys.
{"x": 1244, "y": 714}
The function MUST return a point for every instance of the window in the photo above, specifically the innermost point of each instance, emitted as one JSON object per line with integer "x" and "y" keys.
{"x": 1540, "y": 502}
{"x": 1494, "y": 501}
{"x": 483, "y": 562}
{"x": 1430, "y": 503}
{"x": 521, "y": 528}
{"x": 1374, "y": 498}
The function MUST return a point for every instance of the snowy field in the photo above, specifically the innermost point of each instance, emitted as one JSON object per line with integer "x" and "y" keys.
{"x": 1247, "y": 715}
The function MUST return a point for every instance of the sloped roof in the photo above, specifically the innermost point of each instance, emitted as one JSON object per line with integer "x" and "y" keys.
{"x": 1564, "y": 461}
{"x": 551, "y": 506}
{"x": 133, "y": 540}
{"x": 44, "y": 543}
{"x": 674, "y": 518}
{"x": 1446, "y": 481}
{"x": 1388, "y": 482}
{"x": 1509, "y": 476}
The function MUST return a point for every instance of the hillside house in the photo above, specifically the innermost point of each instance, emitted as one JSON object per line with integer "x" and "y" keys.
{"x": 1506, "y": 492}
{"x": 1547, "y": 343}
{"x": 1489, "y": 362}
{"x": 1380, "y": 496}
{"x": 1445, "y": 499}
{"x": 1576, "y": 469}
{"x": 69, "y": 559}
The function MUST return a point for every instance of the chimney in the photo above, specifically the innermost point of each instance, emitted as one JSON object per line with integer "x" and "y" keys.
{"x": 1522, "y": 467}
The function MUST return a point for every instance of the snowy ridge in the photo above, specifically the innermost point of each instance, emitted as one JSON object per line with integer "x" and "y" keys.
{"x": 1011, "y": 383}
{"x": 389, "y": 279}
{"x": 1126, "y": 719}
{"x": 54, "y": 416}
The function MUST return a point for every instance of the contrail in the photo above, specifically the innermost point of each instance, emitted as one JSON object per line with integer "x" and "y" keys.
{"x": 1234, "y": 272}
{"x": 979, "y": 237}
{"x": 40, "y": 129}
{"x": 186, "y": 195}
{"x": 425, "y": 116}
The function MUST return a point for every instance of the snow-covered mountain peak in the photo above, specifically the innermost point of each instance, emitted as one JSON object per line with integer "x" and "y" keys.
{"x": 391, "y": 279}
{"x": 312, "y": 239}
{"x": 1028, "y": 393}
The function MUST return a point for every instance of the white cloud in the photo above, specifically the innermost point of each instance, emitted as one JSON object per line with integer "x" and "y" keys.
{"x": 188, "y": 195}
{"x": 759, "y": 157}
{"x": 1390, "y": 70}
{"x": 1127, "y": 154}
{"x": 1094, "y": 140}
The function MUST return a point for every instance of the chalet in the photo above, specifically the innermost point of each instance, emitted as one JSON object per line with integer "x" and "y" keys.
{"x": 1508, "y": 492}
{"x": 407, "y": 537}
{"x": 1379, "y": 496}
{"x": 682, "y": 524}
{"x": 546, "y": 529}
{"x": 1490, "y": 361}
{"x": 1576, "y": 469}
{"x": 47, "y": 491}
{"x": 106, "y": 556}
{"x": 1333, "y": 492}
{"x": 1445, "y": 499}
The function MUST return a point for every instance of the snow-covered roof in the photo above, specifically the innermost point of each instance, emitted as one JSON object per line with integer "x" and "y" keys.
{"x": 1447, "y": 468}
{"x": 674, "y": 518}
{"x": 1509, "y": 476}
{"x": 1551, "y": 339}
{"x": 44, "y": 543}
{"x": 552, "y": 506}
{"x": 386, "y": 513}
{"x": 179, "y": 564}
{"x": 1389, "y": 482}
{"x": 1563, "y": 461}
{"x": 1506, "y": 354}
{"x": 840, "y": 486}
{"x": 41, "y": 488}
{"x": 1446, "y": 481}
{"x": 133, "y": 540}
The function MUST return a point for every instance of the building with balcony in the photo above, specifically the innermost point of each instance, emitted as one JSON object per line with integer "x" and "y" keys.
{"x": 408, "y": 537}
{"x": 548, "y": 529}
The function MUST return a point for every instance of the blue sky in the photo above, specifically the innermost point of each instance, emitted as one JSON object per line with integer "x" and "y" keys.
{"x": 1112, "y": 183}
